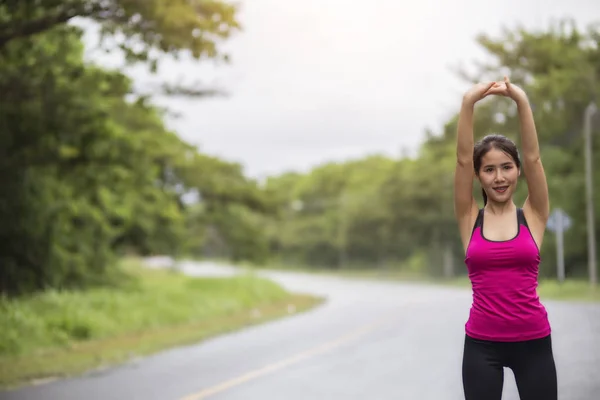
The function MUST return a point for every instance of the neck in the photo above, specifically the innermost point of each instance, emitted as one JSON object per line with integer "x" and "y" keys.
{"x": 500, "y": 208}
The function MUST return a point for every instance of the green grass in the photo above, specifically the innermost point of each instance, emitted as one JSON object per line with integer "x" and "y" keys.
{"x": 569, "y": 290}
{"x": 62, "y": 333}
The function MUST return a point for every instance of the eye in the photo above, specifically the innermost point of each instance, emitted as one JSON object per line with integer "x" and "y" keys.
{"x": 508, "y": 167}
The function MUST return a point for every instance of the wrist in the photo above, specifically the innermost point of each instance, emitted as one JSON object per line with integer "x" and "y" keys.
{"x": 522, "y": 101}
{"x": 467, "y": 102}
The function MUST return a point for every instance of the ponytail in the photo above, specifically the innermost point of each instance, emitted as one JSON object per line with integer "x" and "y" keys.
{"x": 484, "y": 197}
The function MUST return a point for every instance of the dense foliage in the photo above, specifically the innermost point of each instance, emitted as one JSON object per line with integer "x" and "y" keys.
{"x": 90, "y": 171}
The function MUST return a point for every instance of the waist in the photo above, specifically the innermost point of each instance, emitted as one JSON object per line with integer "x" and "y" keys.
{"x": 507, "y": 317}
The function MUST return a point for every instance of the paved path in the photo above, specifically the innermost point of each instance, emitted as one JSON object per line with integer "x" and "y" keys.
{"x": 371, "y": 340}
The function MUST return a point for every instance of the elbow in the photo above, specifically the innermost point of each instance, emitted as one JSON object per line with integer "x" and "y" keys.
{"x": 464, "y": 162}
{"x": 532, "y": 159}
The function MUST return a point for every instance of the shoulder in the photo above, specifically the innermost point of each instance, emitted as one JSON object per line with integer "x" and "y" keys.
{"x": 468, "y": 224}
{"x": 521, "y": 217}
{"x": 534, "y": 223}
{"x": 478, "y": 218}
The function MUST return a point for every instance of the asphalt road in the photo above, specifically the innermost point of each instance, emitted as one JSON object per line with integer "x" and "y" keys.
{"x": 371, "y": 340}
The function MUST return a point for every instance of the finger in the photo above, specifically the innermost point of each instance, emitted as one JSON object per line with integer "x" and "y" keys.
{"x": 493, "y": 93}
{"x": 507, "y": 82}
{"x": 497, "y": 91}
{"x": 488, "y": 88}
{"x": 490, "y": 93}
{"x": 494, "y": 86}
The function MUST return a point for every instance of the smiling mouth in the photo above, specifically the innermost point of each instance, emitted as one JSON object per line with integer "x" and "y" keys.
{"x": 501, "y": 189}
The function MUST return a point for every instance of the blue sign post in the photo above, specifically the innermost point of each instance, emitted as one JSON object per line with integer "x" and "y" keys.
{"x": 559, "y": 222}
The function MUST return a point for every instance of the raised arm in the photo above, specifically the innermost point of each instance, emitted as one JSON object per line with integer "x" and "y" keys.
{"x": 537, "y": 202}
{"x": 465, "y": 206}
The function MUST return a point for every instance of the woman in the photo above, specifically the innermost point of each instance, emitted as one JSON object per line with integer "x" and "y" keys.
{"x": 507, "y": 326}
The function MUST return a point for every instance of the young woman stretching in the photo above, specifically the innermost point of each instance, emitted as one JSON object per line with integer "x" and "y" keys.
{"x": 507, "y": 326}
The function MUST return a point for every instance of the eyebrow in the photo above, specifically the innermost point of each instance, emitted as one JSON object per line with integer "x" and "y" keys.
{"x": 502, "y": 165}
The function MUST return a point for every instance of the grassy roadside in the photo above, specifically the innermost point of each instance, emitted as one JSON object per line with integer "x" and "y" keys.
{"x": 570, "y": 290}
{"x": 59, "y": 334}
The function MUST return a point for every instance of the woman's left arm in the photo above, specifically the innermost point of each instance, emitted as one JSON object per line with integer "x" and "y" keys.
{"x": 537, "y": 202}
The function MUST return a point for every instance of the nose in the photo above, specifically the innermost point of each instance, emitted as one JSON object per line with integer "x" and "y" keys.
{"x": 499, "y": 176}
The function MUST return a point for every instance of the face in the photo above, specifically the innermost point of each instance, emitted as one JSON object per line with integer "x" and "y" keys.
{"x": 498, "y": 175}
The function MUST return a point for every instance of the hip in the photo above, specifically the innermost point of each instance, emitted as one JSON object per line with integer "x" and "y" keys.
{"x": 498, "y": 328}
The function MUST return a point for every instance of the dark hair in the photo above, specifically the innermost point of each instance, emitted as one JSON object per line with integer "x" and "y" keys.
{"x": 497, "y": 142}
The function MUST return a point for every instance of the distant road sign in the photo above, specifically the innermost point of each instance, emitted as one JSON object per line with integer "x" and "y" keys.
{"x": 559, "y": 220}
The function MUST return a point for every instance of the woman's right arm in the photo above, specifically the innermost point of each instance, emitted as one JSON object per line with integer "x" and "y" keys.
{"x": 465, "y": 206}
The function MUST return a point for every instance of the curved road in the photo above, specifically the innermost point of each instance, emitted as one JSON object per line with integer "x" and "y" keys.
{"x": 371, "y": 340}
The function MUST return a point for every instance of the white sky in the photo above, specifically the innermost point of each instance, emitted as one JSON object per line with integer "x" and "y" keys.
{"x": 320, "y": 80}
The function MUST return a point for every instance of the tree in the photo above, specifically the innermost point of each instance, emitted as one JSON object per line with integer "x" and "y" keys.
{"x": 91, "y": 171}
{"x": 145, "y": 30}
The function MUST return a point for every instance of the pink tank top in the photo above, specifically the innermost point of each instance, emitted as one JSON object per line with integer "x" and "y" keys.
{"x": 506, "y": 306}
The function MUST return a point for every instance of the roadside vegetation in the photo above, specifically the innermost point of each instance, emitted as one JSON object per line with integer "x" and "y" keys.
{"x": 59, "y": 333}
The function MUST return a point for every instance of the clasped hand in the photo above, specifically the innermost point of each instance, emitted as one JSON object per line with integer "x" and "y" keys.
{"x": 505, "y": 88}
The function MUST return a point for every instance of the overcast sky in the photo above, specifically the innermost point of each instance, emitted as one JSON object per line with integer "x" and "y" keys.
{"x": 318, "y": 80}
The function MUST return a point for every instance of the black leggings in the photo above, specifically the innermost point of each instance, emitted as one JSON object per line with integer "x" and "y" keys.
{"x": 532, "y": 363}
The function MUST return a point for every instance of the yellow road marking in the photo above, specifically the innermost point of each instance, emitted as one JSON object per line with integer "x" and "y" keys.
{"x": 286, "y": 362}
